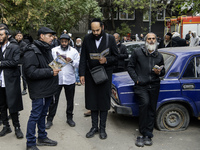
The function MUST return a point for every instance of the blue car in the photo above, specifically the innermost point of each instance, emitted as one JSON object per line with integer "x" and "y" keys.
{"x": 179, "y": 97}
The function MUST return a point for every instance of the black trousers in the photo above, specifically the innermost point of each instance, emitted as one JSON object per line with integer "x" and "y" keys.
{"x": 95, "y": 114}
{"x": 69, "y": 94}
{"x": 147, "y": 97}
{"x": 4, "y": 112}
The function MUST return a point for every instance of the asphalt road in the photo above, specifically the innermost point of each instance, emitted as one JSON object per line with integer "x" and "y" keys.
{"x": 122, "y": 131}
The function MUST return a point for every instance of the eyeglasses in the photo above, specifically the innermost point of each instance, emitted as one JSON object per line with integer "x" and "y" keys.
{"x": 151, "y": 38}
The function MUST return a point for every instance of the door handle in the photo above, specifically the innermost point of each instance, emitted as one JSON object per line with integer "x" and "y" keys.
{"x": 188, "y": 86}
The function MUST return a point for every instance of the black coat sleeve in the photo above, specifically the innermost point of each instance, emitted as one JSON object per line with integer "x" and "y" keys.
{"x": 123, "y": 52}
{"x": 131, "y": 67}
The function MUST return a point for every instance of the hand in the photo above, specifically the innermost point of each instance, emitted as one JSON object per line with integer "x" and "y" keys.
{"x": 102, "y": 60}
{"x": 68, "y": 59}
{"x": 82, "y": 80}
{"x": 56, "y": 71}
{"x": 157, "y": 71}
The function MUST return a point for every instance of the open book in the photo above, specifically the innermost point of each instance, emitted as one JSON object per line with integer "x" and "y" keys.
{"x": 99, "y": 55}
{"x": 158, "y": 67}
{"x": 59, "y": 62}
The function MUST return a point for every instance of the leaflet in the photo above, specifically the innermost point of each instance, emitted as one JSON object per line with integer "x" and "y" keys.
{"x": 99, "y": 55}
{"x": 158, "y": 67}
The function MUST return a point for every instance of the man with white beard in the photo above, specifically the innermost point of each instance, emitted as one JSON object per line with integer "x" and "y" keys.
{"x": 145, "y": 67}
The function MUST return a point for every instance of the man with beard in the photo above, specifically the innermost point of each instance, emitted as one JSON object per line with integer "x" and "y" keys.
{"x": 43, "y": 83}
{"x": 120, "y": 65}
{"x": 22, "y": 45}
{"x": 97, "y": 96}
{"x": 66, "y": 79}
{"x": 167, "y": 42}
{"x": 10, "y": 90}
{"x": 145, "y": 74}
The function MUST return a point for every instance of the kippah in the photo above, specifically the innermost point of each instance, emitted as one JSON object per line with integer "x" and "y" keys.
{"x": 96, "y": 20}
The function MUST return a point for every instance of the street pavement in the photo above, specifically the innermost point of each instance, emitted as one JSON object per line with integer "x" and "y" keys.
{"x": 122, "y": 131}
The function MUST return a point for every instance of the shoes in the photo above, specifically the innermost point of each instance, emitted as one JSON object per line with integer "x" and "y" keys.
{"x": 46, "y": 142}
{"x": 48, "y": 125}
{"x": 87, "y": 114}
{"x": 31, "y": 148}
{"x": 5, "y": 131}
{"x": 79, "y": 83}
{"x": 24, "y": 92}
{"x": 71, "y": 123}
{"x": 140, "y": 141}
{"x": 18, "y": 133}
{"x": 147, "y": 141}
{"x": 92, "y": 132}
{"x": 103, "y": 135}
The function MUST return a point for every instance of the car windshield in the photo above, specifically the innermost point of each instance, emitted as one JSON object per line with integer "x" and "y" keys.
{"x": 168, "y": 60}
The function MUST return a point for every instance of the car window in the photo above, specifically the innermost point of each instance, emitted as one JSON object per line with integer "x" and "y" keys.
{"x": 193, "y": 68}
{"x": 168, "y": 60}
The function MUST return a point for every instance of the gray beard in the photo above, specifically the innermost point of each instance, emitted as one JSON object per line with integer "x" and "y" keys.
{"x": 151, "y": 47}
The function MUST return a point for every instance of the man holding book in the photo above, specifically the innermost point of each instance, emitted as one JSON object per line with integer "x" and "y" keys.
{"x": 97, "y": 96}
{"x": 145, "y": 67}
{"x": 66, "y": 79}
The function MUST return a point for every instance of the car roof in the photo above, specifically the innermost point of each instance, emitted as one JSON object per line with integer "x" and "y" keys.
{"x": 181, "y": 50}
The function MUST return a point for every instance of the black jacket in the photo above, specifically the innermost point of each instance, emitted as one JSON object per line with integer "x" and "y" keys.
{"x": 9, "y": 64}
{"x": 180, "y": 42}
{"x": 141, "y": 64}
{"x": 171, "y": 44}
{"x": 40, "y": 79}
{"x": 122, "y": 55}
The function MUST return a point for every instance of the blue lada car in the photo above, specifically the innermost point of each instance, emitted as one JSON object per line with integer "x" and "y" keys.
{"x": 179, "y": 97}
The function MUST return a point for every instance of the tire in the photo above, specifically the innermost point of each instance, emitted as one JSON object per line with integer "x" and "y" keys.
{"x": 172, "y": 117}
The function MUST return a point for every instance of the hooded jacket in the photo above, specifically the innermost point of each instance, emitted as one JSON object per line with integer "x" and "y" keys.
{"x": 194, "y": 40}
{"x": 141, "y": 64}
{"x": 40, "y": 79}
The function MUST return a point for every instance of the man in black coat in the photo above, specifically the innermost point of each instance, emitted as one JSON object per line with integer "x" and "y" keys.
{"x": 97, "y": 96}
{"x": 10, "y": 90}
{"x": 43, "y": 84}
{"x": 120, "y": 65}
{"x": 142, "y": 69}
{"x": 180, "y": 42}
{"x": 22, "y": 45}
{"x": 167, "y": 41}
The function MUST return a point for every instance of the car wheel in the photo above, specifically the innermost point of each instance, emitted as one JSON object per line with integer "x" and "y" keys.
{"x": 172, "y": 117}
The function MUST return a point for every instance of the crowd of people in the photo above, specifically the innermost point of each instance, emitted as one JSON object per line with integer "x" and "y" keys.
{"x": 30, "y": 60}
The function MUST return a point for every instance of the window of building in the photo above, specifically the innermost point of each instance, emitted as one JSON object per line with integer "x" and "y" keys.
{"x": 160, "y": 15}
{"x": 146, "y": 15}
{"x": 107, "y": 13}
{"x": 127, "y": 16}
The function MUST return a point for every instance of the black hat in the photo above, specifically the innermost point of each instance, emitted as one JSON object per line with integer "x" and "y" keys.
{"x": 45, "y": 30}
{"x": 65, "y": 36}
{"x": 169, "y": 34}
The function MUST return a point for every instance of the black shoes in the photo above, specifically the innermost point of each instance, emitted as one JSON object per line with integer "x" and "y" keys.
{"x": 147, "y": 141}
{"x": 18, "y": 133}
{"x": 5, "y": 131}
{"x": 46, "y": 142}
{"x": 103, "y": 135}
{"x": 71, "y": 122}
{"x": 48, "y": 125}
{"x": 141, "y": 141}
{"x": 31, "y": 148}
{"x": 92, "y": 132}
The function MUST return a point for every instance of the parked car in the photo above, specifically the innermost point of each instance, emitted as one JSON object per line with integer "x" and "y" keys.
{"x": 130, "y": 46}
{"x": 179, "y": 97}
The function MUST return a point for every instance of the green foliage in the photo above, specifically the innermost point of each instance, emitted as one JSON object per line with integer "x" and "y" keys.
{"x": 25, "y": 15}
{"x": 124, "y": 29}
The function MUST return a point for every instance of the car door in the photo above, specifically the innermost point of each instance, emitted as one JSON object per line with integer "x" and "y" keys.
{"x": 190, "y": 83}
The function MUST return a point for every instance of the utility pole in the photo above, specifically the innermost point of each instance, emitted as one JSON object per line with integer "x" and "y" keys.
{"x": 150, "y": 17}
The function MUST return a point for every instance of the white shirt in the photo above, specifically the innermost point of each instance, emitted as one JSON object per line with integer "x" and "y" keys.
{"x": 2, "y": 72}
{"x": 98, "y": 42}
{"x": 67, "y": 73}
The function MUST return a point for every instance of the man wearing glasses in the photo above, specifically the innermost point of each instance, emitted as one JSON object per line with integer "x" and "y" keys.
{"x": 145, "y": 67}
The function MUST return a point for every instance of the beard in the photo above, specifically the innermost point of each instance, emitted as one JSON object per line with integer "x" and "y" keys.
{"x": 3, "y": 42}
{"x": 64, "y": 48}
{"x": 98, "y": 36}
{"x": 151, "y": 47}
